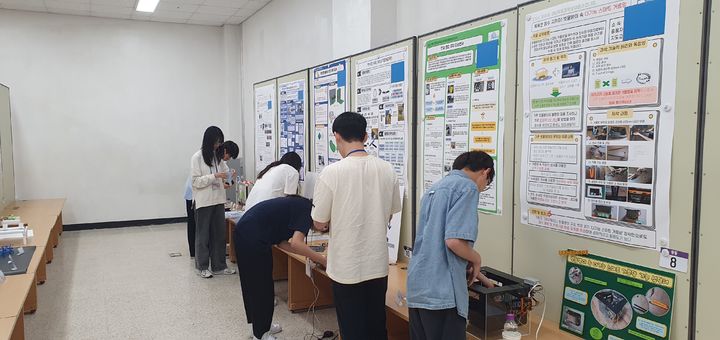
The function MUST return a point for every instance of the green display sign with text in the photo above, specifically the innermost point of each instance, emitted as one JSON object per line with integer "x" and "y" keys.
{"x": 609, "y": 299}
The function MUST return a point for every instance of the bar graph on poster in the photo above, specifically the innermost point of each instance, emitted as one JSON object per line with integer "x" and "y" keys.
{"x": 598, "y": 91}
{"x": 463, "y": 108}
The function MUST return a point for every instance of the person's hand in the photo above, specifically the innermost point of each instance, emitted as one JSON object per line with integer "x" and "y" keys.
{"x": 222, "y": 175}
{"x": 226, "y": 186}
{"x": 322, "y": 260}
{"x": 485, "y": 281}
{"x": 234, "y": 172}
{"x": 474, "y": 271}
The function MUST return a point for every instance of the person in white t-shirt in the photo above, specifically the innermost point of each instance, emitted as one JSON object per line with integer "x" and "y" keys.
{"x": 356, "y": 197}
{"x": 278, "y": 179}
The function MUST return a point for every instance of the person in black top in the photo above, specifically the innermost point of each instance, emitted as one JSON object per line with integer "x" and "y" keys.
{"x": 283, "y": 221}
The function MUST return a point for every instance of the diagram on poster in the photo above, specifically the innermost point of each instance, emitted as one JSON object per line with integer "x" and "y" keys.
{"x": 609, "y": 299}
{"x": 598, "y": 88}
{"x": 329, "y": 84}
{"x": 291, "y": 119}
{"x": 264, "y": 126}
{"x": 463, "y": 109}
{"x": 381, "y": 83}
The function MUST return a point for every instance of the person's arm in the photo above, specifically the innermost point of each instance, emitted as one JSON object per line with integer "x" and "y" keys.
{"x": 461, "y": 226}
{"x": 292, "y": 179}
{"x": 199, "y": 180}
{"x": 463, "y": 249}
{"x": 297, "y": 245}
{"x": 322, "y": 205}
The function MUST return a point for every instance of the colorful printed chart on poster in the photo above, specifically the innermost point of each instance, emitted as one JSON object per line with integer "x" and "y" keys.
{"x": 463, "y": 108}
{"x": 265, "y": 106}
{"x": 381, "y": 85}
{"x": 599, "y": 87}
{"x": 329, "y": 85}
{"x": 609, "y": 299}
{"x": 291, "y": 119}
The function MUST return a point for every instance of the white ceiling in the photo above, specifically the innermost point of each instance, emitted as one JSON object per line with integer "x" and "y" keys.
{"x": 198, "y": 12}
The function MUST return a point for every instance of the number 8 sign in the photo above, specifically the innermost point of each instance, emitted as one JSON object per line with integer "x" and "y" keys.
{"x": 674, "y": 259}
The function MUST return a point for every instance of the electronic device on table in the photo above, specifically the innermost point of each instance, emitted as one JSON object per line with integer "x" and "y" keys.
{"x": 490, "y": 306}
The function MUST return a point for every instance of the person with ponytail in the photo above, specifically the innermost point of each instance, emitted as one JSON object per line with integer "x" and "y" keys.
{"x": 278, "y": 179}
{"x": 208, "y": 190}
{"x": 443, "y": 250}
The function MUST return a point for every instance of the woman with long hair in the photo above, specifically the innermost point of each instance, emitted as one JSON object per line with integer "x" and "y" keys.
{"x": 208, "y": 187}
{"x": 278, "y": 179}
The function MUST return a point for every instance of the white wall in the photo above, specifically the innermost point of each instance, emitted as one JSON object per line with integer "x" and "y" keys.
{"x": 417, "y": 17}
{"x": 108, "y": 112}
{"x": 283, "y": 37}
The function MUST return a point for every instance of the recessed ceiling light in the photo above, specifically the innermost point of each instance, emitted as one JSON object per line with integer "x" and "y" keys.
{"x": 147, "y": 5}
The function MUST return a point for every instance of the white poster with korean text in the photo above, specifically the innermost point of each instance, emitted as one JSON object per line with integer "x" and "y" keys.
{"x": 599, "y": 85}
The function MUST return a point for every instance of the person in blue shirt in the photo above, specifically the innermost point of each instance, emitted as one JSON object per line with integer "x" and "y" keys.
{"x": 444, "y": 262}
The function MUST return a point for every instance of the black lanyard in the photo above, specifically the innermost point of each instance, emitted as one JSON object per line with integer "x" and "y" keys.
{"x": 354, "y": 151}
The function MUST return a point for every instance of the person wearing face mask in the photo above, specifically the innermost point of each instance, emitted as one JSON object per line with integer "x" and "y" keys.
{"x": 443, "y": 250}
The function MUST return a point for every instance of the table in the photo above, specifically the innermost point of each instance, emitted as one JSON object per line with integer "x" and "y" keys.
{"x": 41, "y": 207}
{"x": 12, "y": 328}
{"x": 301, "y": 296}
{"x": 19, "y": 292}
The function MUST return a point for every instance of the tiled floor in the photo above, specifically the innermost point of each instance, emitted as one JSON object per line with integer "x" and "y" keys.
{"x": 122, "y": 284}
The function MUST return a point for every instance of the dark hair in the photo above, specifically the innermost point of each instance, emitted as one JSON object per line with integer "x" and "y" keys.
{"x": 291, "y": 158}
{"x": 351, "y": 126}
{"x": 475, "y": 161}
{"x": 212, "y": 135}
{"x": 228, "y": 146}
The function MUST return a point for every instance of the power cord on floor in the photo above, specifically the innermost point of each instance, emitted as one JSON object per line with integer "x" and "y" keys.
{"x": 327, "y": 335}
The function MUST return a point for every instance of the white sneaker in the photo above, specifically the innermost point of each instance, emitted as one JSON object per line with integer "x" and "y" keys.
{"x": 205, "y": 274}
{"x": 274, "y": 329}
{"x": 227, "y": 271}
{"x": 266, "y": 336}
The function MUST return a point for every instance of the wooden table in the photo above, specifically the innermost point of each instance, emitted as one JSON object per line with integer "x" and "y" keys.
{"x": 42, "y": 207}
{"x": 19, "y": 292}
{"x": 12, "y": 328}
{"x": 42, "y": 227}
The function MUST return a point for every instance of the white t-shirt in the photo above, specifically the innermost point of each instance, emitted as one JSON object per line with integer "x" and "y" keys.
{"x": 358, "y": 195}
{"x": 279, "y": 181}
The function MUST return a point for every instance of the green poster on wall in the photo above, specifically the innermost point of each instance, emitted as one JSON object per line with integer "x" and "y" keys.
{"x": 608, "y": 299}
{"x": 464, "y": 92}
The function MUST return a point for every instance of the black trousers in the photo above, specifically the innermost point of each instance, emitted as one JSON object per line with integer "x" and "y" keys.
{"x": 190, "y": 226}
{"x": 255, "y": 266}
{"x": 360, "y": 309}
{"x": 444, "y": 324}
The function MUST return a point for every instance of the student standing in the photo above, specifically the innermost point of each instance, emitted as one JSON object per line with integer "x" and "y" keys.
{"x": 443, "y": 250}
{"x": 190, "y": 209}
{"x": 208, "y": 175}
{"x": 225, "y": 151}
{"x": 268, "y": 223}
{"x": 278, "y": 179}
{"x": 357, "y": 196}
